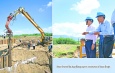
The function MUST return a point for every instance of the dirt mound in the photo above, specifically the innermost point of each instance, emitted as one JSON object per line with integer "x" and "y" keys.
{"x": 32, "y": 68}
{"x": 20, "y": 55}
{"x": 3, "y": 71}
{"x": 29, "y": 61}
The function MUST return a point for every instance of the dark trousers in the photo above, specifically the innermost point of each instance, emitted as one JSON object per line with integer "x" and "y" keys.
{"x": 33, "y": 47}
{"x": 108, "y": 43}
{"x": 28, "y": 47}
{"x": 114, "y": 30}
{"x": 101, "y": 54}
{"x": 89, "y": 52}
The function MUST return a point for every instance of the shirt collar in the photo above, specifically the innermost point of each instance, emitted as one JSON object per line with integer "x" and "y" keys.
{"x": 89, "y": 26}
{"x": 103, "y": 22}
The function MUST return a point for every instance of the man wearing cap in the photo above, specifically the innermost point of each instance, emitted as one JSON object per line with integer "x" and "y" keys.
{"x": 90, "y": 44}
{"x": 106, "y": 31}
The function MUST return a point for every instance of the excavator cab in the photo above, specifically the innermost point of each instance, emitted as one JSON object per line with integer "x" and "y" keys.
{"x": 47, "y": 40}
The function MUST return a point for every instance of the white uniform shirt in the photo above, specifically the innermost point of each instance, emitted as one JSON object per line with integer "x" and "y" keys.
{"x": 33, "y": 44}
{"x": 90, "y": 36}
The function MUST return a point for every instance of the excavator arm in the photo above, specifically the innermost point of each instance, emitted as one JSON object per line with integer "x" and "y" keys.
{"x": 21, "y": 10}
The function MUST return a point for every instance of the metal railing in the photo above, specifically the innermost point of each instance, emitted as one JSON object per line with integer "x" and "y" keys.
{"x": 81, "y": 54}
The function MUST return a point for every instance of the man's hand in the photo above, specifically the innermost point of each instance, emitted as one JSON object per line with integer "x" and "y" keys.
{"x": 84, "y": 33}
{"x": 96, "y": 33}
{"x": 93, "y": 46}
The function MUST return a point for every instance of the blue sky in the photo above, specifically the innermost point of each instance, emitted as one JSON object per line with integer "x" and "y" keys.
{"x": 39, "y": 10}
{"x": 69, "y": 15}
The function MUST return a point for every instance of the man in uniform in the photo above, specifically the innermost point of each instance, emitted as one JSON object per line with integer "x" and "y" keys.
{"x": 90, "y": 44}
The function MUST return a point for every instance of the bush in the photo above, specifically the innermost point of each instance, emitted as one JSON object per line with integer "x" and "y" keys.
{"x": 63, "y": 41}
{"x": 48, "y": 34}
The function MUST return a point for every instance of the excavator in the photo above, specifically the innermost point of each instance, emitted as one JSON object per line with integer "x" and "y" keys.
{"x": 12, "y": 16}
{"x": 44, "y": 39}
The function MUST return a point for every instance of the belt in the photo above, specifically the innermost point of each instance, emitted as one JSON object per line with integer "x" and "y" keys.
{"x": 108, "y": 35}
{"x": 88, "y": 40}
{"x": 113, "y": 24}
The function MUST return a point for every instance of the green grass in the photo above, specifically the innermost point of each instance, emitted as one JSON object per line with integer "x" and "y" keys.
{"x": 35, "y": 34}
{"x": 29, "y": 35}
{"x": 62, "y": 40}
{"x": 64, "y": 50}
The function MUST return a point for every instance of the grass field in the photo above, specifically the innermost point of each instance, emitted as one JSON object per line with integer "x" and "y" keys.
{"x": 64, "y": 50}
{"x": 27, "y": 35}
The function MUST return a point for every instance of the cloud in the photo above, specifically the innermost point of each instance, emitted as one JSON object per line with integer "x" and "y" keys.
{"x": 45, "y": 6}
{"x": 69, "y": 29}
{"x": 49, "y": 29}
{"x": 49, "y": 4}
{"x": 46, "y": 30}
{"x": 28, "y": 31}
{"x": 85, "y": 6}
{"x": 41, "y": 10}
{"x": 2, "y": 32}
{"x": 18, "y": 32}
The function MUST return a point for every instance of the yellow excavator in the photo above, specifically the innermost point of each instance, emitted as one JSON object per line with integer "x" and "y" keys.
{"x": 12, "y": 16}
{"x": 44, "y": 40}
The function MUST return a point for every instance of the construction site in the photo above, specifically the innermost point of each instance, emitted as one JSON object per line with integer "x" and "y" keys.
{"x": 25, "y": 54}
